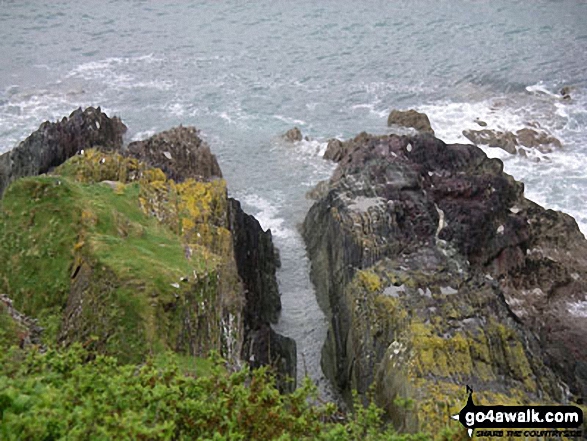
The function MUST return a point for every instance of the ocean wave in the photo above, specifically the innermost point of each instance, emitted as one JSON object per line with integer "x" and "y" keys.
{"x": 267, "y": 214}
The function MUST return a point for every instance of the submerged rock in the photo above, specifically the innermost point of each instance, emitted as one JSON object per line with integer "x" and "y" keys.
{"x": 410, "y": 118}
{"x": 510, "y": 142}
{"x": 493, "y": 138}
{"x": 429, "y": 258}
{"x": 566, "y": 92}
{"x": 53, "y": 143}
{"x": 540, "y": 140}
{"x": 293, "y": 135}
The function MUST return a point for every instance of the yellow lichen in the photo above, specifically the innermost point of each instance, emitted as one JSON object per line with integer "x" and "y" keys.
{"x": 369, "y": 280}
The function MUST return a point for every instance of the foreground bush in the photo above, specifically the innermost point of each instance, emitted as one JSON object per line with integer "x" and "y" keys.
{"x": 77, "y": 395}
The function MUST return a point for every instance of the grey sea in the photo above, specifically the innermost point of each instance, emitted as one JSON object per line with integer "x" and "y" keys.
{"x": 245, "y": 72}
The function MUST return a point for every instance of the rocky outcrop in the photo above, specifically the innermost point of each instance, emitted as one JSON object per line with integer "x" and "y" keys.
{"x": 293, "y": 135}
{"x": 511, "y": 143}
{"x": 53, "y": 143}
{"x": 138, "y": 253}
{"x": 179, "y": 152}
{"x": 429, "y": 258}
{"x": 493, "y": 138}
{"x": 257, "y": 261}
{"x": 410, "y": 118}
{"x": 337, "y": 149}
{"x": 15, "y": 327}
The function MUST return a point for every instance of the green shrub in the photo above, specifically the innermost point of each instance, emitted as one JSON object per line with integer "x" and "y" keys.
{"x": 78, "y": 395}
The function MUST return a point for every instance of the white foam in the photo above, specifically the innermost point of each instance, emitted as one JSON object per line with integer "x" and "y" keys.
{"x": 176, "y": 109}
{"x": 555, "y": 180}
{"x": 141, "y": 136}
{"x": 371, "y": 107}
{"x": 312, "y": 147}
{"x": 268, "y": 216}
{"x": 541, "y": 89}
{"x": 289, "y": 120}
{"x": 120, "y": 73}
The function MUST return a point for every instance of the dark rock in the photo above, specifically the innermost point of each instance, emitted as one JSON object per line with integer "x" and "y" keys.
{"x": 481, "y": 123}
{"x": 410, "y": 118}
{"x": 257, "y": 261}
{"x": 566, "y": 92}
{"x": 293, "y": 135}
{"x": 53, "y": 143}
{"x": 179, "y": 152}
{"x": 430, "y": 261}
{"x": 335, "y": 150}
{"x": 493, "y": 138}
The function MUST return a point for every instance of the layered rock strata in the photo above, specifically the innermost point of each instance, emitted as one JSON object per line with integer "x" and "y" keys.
{"x": 438, "y": 273}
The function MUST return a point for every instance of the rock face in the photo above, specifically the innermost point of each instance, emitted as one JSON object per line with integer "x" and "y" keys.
{"x": 410, "y": 118}
{"x": 257, "y": 261}
{"x": 337, "y": 149}
{"x": 53, "y": 143}
{"x": 179, "y": 152}
{"x": 510, "y": 142}
{"x": 140, "y": 253}
{"x": 17, "y": 328}
{"x": 438, "y": 274}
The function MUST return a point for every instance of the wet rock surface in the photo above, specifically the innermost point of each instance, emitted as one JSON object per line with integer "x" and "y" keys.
{"x": 431, "y": 260}
{"x": 257, "y": 261}
{"x": 53, "y": 143}
{"x": 410, "y": 118}
{"x": 527, "y": 137}
{"x": 293, "y": 135}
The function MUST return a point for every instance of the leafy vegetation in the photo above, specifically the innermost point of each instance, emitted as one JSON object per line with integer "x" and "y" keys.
{"x": 78, "y": 395}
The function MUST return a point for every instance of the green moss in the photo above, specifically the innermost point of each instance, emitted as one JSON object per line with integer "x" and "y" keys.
{"x": 128, "y": 267}
{"x": 39, "y": 223}
{"x": 8, "y": 329}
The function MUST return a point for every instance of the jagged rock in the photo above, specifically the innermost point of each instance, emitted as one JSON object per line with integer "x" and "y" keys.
{"x": 179, "y": 152}
{"x": 566, "y": 92}
{"x": 534, "y": 139}
{"x": 509, "y": 142}
{"x": 335, "y": 150}
{"x": 429, "y": 258}
{"x": 410, "y": 118}
{"x": 293, "y": 135}
{"x": 493, "y": 138}
{"x": 95, "y": 262}
{"x": 15, "y": 327}
{"x": 318, "y": 191}
{"x": 53, "y": 143}
{"x": 257, "y": 261}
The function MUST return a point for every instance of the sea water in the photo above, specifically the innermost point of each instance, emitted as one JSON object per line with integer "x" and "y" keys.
{"x": 245, "y": 72}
